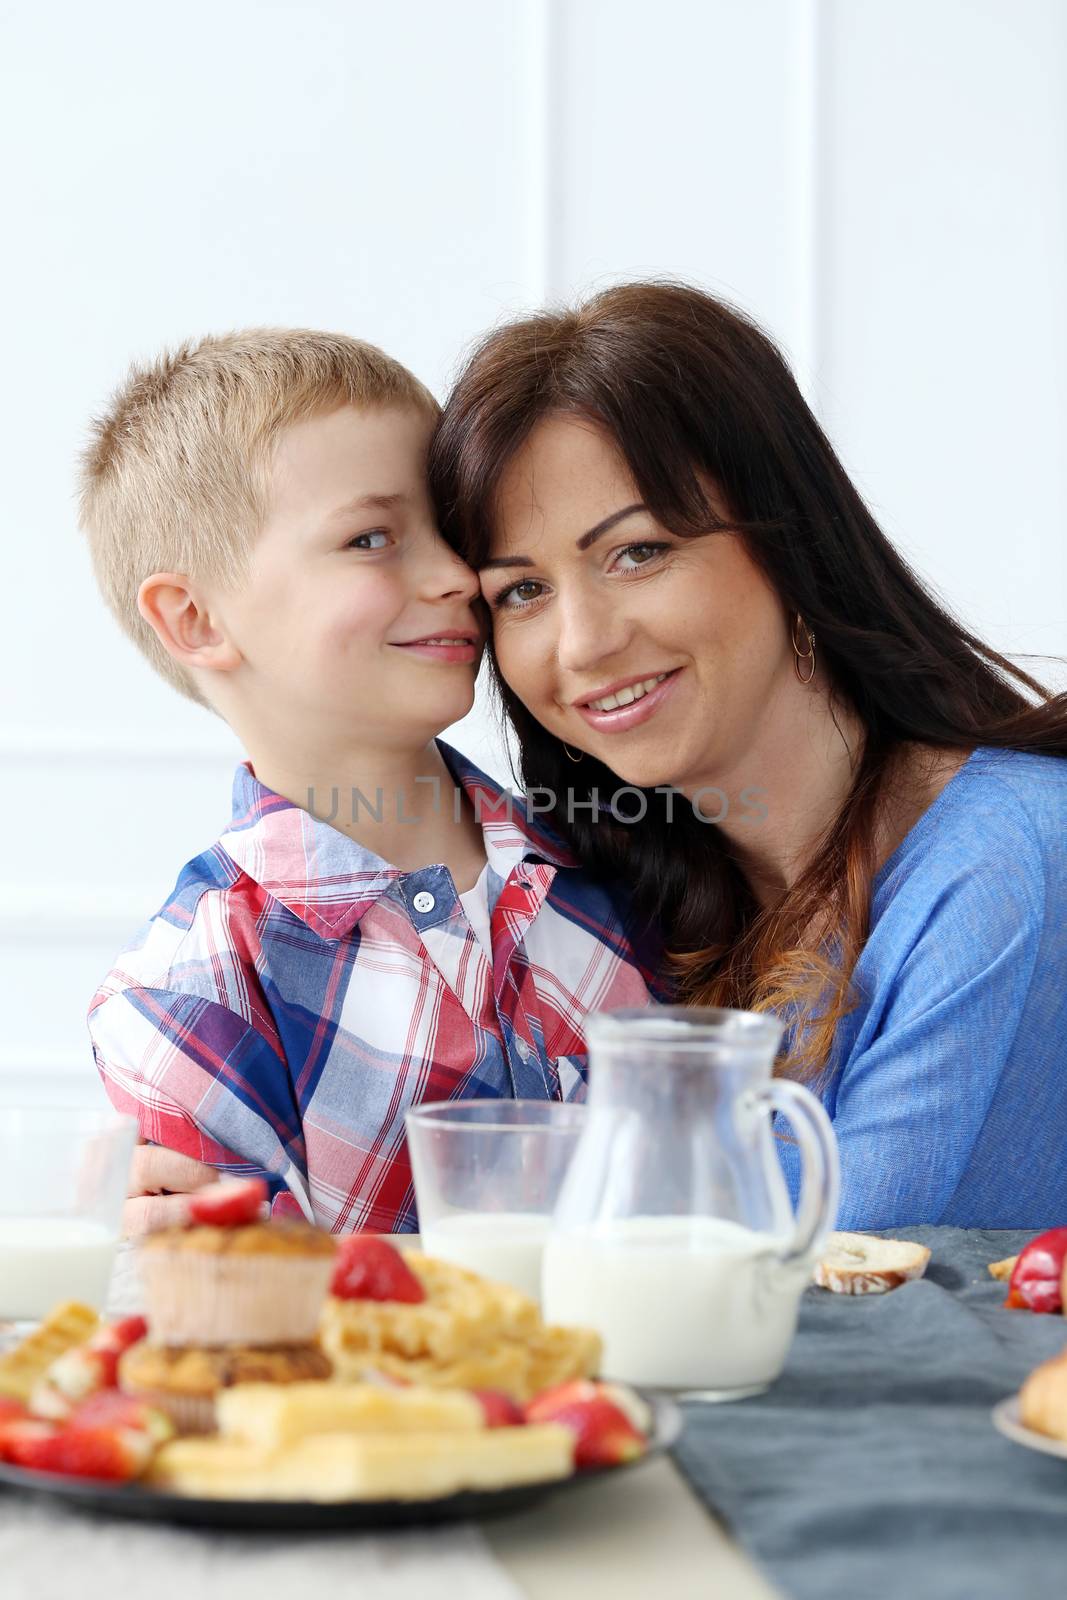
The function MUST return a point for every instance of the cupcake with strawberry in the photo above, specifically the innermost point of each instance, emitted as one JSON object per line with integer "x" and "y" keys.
{"x": 232, "y": 1297}
{"x": 232, "y": 1276}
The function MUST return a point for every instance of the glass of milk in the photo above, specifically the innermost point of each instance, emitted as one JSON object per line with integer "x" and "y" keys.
{"x": 673, "y": 1235}
{"x": 487, "y": 1176}
{"x": 63, "y": 1178}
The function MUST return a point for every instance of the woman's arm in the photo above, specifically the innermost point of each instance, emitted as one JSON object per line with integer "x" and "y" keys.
{"x": 943, "y": 1039}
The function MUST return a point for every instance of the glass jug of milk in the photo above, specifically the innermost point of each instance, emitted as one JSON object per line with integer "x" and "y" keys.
{"x": 673, "y": 1234}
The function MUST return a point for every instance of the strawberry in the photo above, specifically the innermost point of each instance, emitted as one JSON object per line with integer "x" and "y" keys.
{"x": 115, "y": 1453}
{"x": 110, "y": 1409}
{"x": 561, "y": 1394}
{"x": 499, "y": 1408}
{"x": 228, "y": 1205}
{"x": 11, "y": 1410}
{"x": 630, "y": 1404}
{"x": 77, "y": 1452}
{"x": 369, "y": 1268}
{"x": 85, "y": 1370}
{"x": 71, "y": 1377}
{"x": 1036, "y": 1282}
{"x": 24, "y": 1438}
{"x": 112, "y": 1341}
{"x": 603, "y": 1433}
{"x": 120, "y": 1335}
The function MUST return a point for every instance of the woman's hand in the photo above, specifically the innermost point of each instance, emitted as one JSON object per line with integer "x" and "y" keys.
{"x": 159, "y": 1182}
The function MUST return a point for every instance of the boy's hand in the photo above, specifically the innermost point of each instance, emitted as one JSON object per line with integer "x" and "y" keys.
{"x": 159, "y": 1181}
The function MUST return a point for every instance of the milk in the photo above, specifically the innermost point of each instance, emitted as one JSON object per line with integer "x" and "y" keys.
{"x": 680, "y": 1302}
{"x": 47, "y": 1259}
{"x": 505, "y": 1245}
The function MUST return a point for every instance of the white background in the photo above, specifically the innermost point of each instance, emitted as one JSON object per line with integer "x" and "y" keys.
{"x": 883, "y": 183}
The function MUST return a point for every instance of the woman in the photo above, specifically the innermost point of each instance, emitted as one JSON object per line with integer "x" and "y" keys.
{"x": 690, "y": 599}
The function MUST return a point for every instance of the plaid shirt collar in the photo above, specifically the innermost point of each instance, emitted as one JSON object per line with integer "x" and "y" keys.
{"x": 329, "y": 880}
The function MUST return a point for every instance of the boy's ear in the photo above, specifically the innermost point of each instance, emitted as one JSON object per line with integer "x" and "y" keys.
{"x": 177, "y": 613}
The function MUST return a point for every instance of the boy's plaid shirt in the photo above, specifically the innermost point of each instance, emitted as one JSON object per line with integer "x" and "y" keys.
{"x": 296, "y": 994}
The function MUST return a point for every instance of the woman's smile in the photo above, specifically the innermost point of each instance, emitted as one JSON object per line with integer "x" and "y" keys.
{"x": 628, "y": 704}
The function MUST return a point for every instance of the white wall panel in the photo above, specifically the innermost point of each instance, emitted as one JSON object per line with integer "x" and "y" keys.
{"x": 942, "y": 275}
{"x": 673, "y": 126}
{"x": 347, "y": 166}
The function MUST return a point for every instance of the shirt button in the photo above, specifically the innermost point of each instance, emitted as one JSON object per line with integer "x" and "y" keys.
{"x": 523, "y": 1049}
{"x": 424, "y": 901}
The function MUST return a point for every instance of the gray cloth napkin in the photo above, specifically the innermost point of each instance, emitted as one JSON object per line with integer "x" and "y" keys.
{"x": 872, "y": 1467}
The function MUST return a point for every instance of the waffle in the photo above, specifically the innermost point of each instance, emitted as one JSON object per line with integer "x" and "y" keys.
{"x": 376, "y": 1466}
{"x": 460, "y": 1310}
{"x": 64, "y": 1327}
{"x": 469, "y": 1333}
{"x": 558, "y": 1354}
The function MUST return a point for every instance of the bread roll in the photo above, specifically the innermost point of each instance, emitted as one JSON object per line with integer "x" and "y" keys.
{"x": 856, "y": 1263}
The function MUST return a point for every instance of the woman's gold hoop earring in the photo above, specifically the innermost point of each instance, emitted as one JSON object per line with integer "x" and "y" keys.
{"x": 571, "y": 753}
{"x": 803, "y": 655}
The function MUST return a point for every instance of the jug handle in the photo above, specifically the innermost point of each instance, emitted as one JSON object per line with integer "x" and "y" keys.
{"x": 820, "y": 1186}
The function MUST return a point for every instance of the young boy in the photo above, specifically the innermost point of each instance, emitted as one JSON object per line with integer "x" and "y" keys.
{"x": 379, "y": 924}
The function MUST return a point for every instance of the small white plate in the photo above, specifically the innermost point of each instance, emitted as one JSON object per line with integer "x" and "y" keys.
{"x": 1006, "y": 1421}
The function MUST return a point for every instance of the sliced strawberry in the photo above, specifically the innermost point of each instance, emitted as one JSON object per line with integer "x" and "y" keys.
{"x": 499, "y": 1408}
{"x": 603, "y": 1433}
{"x": 85, "y": 1370}
{"x": 119, "y": 1336}
{"x": 630, "y": 1404}
{"x": 24, "y": 1440}
{"x": 109, "y": 1368}
{"x": 95, "y": 1453}
{"x": 369, "y": 1268}
{"x": 114, "y": 1453}
{"x": 110, "y": 1409}
{"x": 575, "y": 1389}
{"x": 228, "y": 1205}
{"x": 111, "y": 1453}
{"x": 73, "y": 1376}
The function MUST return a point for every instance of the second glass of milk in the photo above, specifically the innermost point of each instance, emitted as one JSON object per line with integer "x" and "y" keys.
{"x": 487, "y": 1176}
{"x": 63, "y": 1178}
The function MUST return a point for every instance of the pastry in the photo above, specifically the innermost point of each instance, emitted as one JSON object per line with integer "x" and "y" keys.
{"x": 1043, "y": 1398}
{"x": 856, "y": 1263}
{"x": 377, "y": 1466}
{"x": 273, "y": 1416}
{"x": 183, "y": 1381}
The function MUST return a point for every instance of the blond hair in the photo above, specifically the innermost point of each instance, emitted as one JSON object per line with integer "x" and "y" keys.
{"x": 175, "y": 477}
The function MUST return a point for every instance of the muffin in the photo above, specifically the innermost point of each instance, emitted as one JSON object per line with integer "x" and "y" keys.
{"x": 183, "y": 1382}
{"x": 259, "y": 1284}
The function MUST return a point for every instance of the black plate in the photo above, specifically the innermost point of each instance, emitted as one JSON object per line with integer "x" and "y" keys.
{"x": 154, "y": 1505}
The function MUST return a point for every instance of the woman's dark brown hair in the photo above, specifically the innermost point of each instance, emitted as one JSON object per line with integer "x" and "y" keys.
{"x": 687, "y": 385}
